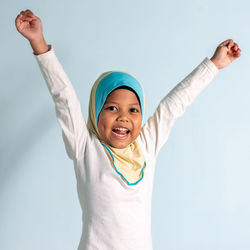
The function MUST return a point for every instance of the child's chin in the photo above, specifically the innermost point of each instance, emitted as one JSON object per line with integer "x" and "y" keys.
{"x": 120, "y": 145}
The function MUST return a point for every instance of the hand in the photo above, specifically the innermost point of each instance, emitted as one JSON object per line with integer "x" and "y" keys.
{"x": 29, "y": 25}
{"x": 225, "y": 53}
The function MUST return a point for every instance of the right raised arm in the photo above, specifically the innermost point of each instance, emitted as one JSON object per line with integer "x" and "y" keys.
{"x": 68, "y": 107}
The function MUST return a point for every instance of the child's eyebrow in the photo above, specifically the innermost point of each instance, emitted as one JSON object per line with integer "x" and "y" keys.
{"x": 118, "y": 103}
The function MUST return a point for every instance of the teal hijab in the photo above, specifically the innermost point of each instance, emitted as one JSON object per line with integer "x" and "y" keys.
{"x": 112, "y": 82}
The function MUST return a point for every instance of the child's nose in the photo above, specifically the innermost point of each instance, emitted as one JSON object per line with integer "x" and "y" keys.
{"x": 122, "y": 117}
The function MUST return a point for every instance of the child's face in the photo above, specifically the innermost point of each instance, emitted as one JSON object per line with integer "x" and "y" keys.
{"x": 120, "y": 110}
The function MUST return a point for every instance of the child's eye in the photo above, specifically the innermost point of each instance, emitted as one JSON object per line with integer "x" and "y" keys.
{"x": 112, "y": 108}
{"x": 134, "y": 110}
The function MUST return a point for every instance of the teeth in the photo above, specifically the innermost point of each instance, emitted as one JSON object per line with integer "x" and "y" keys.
{"x": 121, "y": 129}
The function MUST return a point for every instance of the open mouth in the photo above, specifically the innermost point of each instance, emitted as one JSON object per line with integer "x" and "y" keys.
{"x": 120, "y": 132}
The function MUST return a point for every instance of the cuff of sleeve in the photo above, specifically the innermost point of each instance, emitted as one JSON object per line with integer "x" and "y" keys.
{"x": 211, "y": 66}
{"x": 46, "y": 54}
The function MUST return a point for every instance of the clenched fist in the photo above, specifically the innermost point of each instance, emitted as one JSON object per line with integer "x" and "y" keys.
{"x": 225, "y": 53}
{"x": 30, "y": 26}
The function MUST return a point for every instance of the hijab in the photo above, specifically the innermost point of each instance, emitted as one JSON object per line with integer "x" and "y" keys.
{"x": 128, "y": 162}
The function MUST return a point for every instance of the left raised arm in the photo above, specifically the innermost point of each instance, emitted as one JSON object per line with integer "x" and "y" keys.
{"x": 156, "y": 130}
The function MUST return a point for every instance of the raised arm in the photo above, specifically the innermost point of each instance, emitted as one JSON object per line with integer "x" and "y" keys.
{"x": 156, "y": 130}
{"x": 68, "y": 108}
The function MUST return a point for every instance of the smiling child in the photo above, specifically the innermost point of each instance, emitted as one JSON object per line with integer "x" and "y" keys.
{"x": 114, "y": 154}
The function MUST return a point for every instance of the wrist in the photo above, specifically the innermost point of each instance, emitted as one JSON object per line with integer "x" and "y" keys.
{"x": 215, "y": 62}
{"x": 39, "y": 45}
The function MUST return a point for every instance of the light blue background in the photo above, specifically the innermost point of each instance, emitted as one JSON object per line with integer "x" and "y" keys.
{"x": 201, "y": 198}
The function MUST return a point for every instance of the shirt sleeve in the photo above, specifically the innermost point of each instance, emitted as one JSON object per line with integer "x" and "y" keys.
{"x": 67, "y": 105}
{"x": 156, "y": 130}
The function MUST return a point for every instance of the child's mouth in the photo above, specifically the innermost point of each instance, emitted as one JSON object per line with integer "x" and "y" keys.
{"x": 120, "y": 133}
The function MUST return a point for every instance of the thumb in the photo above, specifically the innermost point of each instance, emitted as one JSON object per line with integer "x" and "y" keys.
{"x": 230, "y": 44}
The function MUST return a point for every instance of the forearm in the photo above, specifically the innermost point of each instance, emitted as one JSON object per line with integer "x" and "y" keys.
{"x": 182, "y": 95}
{"x": 57, "y": 81}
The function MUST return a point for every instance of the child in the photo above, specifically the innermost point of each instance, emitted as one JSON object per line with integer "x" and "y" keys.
{"x": 114, "y": 156}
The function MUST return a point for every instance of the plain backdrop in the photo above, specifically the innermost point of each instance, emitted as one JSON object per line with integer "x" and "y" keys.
{"x": 201, "y": 197}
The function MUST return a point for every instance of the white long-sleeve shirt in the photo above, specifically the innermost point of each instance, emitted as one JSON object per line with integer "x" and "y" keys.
{"x": 115, "y": 215}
